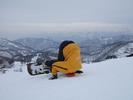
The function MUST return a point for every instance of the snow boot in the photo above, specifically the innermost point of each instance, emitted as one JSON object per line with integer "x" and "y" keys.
{"x": 79, "y": 72}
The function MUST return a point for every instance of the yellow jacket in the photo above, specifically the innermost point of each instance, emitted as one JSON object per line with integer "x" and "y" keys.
{"x": 72, "y": 61}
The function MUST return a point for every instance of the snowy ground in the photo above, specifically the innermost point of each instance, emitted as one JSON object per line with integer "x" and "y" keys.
{"x": 108, "y": 80}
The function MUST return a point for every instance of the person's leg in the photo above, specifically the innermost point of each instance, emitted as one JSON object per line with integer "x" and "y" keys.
{"x": 55, "y": 70}
{"x": 58, "y": 67}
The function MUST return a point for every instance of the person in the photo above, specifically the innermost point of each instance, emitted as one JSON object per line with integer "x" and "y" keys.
{"x": 68, "y": 62}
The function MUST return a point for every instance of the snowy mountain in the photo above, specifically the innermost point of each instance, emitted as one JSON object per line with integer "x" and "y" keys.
{"x": 5, "y": 55}
{"x": 107, "y": 80}
{"x": 14, "y": 47}
{"x": 95, "y": 47}
{"x": 114, "y": 50}
{"x": 14, "y": 50}
{"x": 39, "y": 43}
{"x": 124, "y": 51}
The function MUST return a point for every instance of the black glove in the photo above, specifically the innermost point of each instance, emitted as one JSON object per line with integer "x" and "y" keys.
{"x": 50, "y": 62}
{"x": 53, "y": 77}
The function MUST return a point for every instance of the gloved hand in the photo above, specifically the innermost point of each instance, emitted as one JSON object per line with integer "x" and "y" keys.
{"x": 50, "y": 62}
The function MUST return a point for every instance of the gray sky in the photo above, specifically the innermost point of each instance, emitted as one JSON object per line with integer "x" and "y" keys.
{"x": 36, "y": 16}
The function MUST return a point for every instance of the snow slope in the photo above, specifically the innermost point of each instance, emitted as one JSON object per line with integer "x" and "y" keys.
{"x": 108, "y": 80}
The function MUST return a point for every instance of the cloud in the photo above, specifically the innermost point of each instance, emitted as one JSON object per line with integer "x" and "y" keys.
{"x": 62, "y": 27}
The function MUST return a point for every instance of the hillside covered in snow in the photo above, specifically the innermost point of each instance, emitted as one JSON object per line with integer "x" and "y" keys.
{"x": 107, "y": 80}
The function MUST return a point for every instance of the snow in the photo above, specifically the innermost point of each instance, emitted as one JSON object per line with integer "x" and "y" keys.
{"x": 108, "y": 80}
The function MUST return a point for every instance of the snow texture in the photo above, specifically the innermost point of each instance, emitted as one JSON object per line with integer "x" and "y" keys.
{"x": 108, "y": 80}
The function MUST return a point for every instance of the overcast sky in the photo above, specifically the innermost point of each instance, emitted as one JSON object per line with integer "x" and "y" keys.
{"x": 34, "y": 16}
